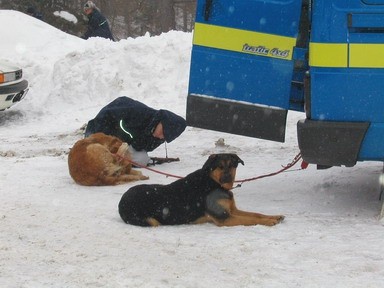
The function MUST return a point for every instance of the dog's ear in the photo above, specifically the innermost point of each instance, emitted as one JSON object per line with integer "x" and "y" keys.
{"x": 238, "y": 160}
{"x": 209, "y": 164}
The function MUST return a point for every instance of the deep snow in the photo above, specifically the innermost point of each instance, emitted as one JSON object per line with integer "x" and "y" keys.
{"x": 54, "y": 233}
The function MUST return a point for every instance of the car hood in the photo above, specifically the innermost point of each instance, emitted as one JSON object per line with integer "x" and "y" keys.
{"x": 6, "y": 66}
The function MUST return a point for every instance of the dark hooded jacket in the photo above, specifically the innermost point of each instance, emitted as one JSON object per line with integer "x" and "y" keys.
{"x": 98, "y": 26}
{"x": 134, "y": 122}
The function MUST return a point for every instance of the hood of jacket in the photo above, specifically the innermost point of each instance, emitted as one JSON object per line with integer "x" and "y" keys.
{"x": 173, "y": 125}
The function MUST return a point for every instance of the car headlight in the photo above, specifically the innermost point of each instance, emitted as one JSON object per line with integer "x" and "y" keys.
{"x": 10, "y": 76}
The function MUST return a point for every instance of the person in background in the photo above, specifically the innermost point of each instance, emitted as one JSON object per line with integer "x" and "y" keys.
{"x": 34, "y": 13}
{"x": 97, "y": 24}
{"x": 142, "y": 127}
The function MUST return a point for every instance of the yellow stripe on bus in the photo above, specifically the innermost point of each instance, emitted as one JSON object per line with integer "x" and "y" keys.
{"x": 328, "y": 55}
{"x": 244, "y": 41}
{"x": 366, "y": 55}
{"x": 343, "y": 55}
{"x": 333, "y": 55}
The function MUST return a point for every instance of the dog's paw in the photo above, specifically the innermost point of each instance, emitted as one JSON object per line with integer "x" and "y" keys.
{"x": 143, "y": 177}
{"x": 279, "y": 218}
{"x": 273, "y": 220}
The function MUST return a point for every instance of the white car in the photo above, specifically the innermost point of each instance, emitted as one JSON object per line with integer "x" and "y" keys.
{"x": 13, "y": 87}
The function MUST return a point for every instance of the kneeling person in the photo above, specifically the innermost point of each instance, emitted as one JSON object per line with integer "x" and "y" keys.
{"x": 142, "y": 127}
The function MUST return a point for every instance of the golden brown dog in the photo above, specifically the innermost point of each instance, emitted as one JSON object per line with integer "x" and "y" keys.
{"x": 200, "y": 197}
{"x": 101, "y": 160}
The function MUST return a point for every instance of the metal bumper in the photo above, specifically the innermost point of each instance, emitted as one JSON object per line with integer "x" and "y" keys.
{"x": 11, "y": 94}
{"x": 330, "y": 143}
{"x": 14, "y": 88}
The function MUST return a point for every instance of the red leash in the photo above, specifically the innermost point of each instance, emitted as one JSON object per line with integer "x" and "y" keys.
{"x": 150, "y": 169}
{"x": 288, "y": 166}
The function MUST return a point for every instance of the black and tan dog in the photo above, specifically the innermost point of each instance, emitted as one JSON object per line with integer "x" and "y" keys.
{"x": 202, "y": 196}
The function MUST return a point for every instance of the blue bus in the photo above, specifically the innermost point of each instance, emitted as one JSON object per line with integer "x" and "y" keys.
{"x": 254, "y": 60}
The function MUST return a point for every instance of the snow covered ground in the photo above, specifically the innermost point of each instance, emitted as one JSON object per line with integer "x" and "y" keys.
{"x": 54, "y": 233}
